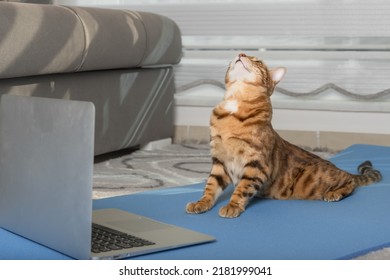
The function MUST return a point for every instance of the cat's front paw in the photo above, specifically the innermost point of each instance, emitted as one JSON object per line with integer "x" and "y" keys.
{"x": 230, "y": 211}
{"x": 198, "y": 207}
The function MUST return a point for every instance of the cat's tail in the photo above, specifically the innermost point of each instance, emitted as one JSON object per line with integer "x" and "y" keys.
{"x": 368, "y": 174}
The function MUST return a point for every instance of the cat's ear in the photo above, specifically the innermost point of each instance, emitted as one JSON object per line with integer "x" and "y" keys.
{"x": 277, "y": 74}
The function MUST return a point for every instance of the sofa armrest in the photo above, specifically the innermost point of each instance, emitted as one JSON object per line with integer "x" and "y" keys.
{"x": 47, "y": 39}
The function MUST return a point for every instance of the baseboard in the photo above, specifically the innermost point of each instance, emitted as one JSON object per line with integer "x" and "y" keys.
{"x": 156, "y": 144}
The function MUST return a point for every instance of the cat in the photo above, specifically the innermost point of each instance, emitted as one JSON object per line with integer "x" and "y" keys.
{"x": 249, "y": 153}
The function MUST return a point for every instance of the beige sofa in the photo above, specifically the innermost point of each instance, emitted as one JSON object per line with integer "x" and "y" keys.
{"x": 118, "y": 59}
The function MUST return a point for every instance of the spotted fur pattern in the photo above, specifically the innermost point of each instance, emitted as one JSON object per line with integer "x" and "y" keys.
{"x": 247, "y": 152}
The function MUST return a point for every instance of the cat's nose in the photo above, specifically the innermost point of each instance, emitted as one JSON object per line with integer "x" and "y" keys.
{"x": 242, "y": 55}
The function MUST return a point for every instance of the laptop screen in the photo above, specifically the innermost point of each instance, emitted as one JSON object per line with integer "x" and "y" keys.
{"x": 46, "y": 171}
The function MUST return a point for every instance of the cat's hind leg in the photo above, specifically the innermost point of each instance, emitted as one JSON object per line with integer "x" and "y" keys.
{"x": 348, "y": 183}
{"x": 216, "y": 183}
{"x": 338, "y": 192}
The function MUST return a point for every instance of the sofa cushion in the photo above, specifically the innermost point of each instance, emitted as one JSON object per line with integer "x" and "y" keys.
{"x": 113, "y": 38}
{"x": 45, "y": 39}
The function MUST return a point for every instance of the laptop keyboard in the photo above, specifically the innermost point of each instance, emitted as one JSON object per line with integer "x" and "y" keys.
{"x": 105, "y": 239}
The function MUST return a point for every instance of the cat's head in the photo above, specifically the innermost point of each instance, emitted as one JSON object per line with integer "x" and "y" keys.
{"x": 252, "y": 71}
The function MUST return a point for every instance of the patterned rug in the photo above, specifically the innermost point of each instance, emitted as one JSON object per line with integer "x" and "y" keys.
{"x": 173, "y": 165}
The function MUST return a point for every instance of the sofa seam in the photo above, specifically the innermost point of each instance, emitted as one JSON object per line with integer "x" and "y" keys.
{"x": 136, "y": 14}
{"x": 84, "y": 52}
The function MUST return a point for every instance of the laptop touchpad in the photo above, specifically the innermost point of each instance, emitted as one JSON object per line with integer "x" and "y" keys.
{"x": 141, "y": 225}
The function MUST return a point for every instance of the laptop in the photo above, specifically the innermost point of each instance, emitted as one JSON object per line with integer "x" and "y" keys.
{"x": 46, "y": 179}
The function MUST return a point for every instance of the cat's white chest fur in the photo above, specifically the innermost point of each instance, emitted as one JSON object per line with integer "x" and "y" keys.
{"x": 235, "y": 170}
{"x": 231, "y": 106}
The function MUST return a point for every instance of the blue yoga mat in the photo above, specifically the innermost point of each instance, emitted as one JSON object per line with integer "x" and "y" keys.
{"x": 268, "y": 229}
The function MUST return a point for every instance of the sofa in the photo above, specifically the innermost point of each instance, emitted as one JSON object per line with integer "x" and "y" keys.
{"x": 121, "y": 60}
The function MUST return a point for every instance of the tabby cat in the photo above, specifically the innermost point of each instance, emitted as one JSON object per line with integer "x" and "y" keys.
{"x": 247, "y": 152}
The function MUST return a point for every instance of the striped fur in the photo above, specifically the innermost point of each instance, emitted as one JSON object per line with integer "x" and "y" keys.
{"x": 247, "y": 152}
